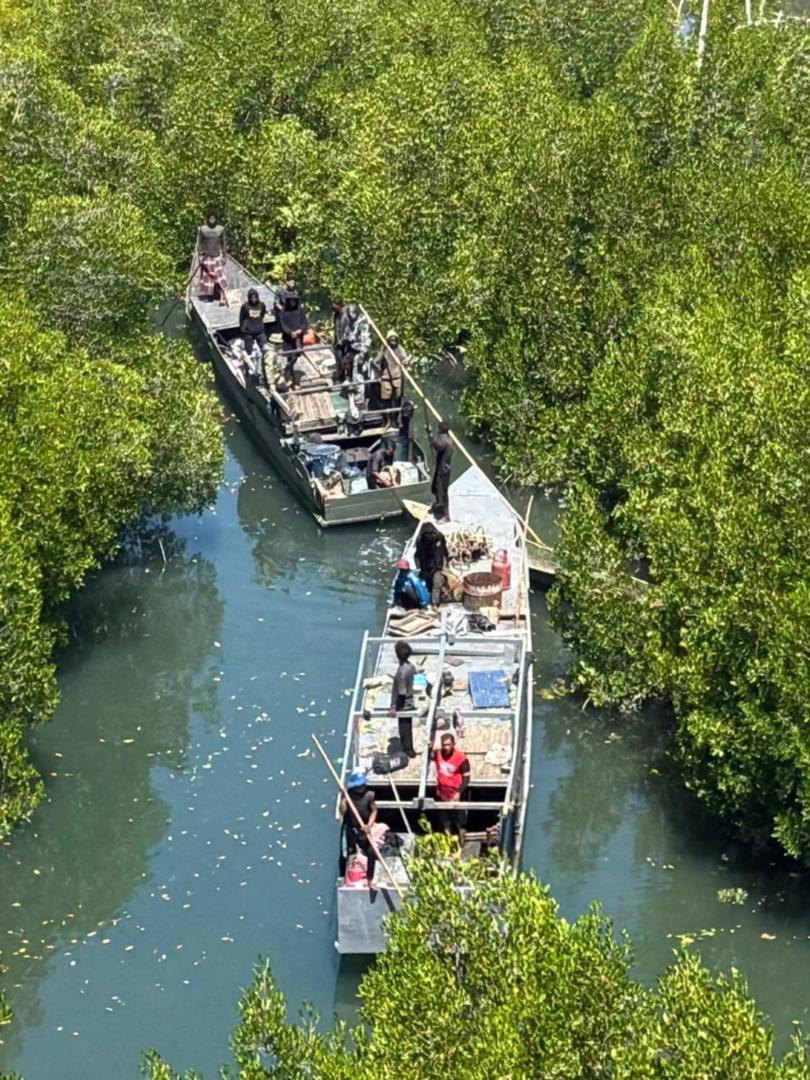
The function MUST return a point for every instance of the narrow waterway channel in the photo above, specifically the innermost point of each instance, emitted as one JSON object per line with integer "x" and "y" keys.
{"x": 188, "y": 830}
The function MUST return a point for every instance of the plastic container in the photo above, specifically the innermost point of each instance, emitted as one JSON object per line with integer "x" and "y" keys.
{"x": 407, "y": 472}
{"x": 502, "y": 567}
{"x": 481, "y": 590}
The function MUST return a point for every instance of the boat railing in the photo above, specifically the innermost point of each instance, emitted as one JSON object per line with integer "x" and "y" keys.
{"x": 517, "y": 726}
{"x": 430, "y": 719}
{"x": 358, "y": 683}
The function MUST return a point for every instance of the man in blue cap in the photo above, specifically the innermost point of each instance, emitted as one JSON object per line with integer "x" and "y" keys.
{"x": 352, "y": 837}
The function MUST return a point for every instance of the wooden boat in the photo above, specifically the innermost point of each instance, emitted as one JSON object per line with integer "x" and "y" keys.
{"x": 496, "y": 722}
{"x": 288, "y": 425}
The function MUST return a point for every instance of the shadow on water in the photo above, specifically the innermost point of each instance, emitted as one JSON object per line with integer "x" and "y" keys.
{"x": 127, "y": 697}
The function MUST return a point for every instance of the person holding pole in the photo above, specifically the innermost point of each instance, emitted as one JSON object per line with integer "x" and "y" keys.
{"x": 354, "y": 835}
{"x": 442, "y": 447}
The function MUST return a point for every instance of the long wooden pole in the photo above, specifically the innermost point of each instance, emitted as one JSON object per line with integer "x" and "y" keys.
{"x": 453, "y": 436}
{"x": 703, "y": 30}
{"x": 182, "y": 293}
{"x": 357, "y": 817}
{"x": 401, "y": 807}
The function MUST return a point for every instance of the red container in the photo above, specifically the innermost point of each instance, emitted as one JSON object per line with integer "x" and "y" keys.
{"x": 502, "y": 567}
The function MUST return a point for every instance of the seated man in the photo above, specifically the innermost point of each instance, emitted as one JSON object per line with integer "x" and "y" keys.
{"x": 452, "y": 780}
{"x": 377, "y": 460}
{"x": 409, "y": 591}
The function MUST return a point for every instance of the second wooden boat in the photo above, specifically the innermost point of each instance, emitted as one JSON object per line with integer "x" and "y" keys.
{"x": 296, "y": 429}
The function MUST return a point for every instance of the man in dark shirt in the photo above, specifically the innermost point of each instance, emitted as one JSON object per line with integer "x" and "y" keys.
{"x": 353, "y": 838}
{"x": 405, "y": 417}
{"x": 282, "y": 292}
{"x": 340, "y": 328}
{"x": 251, "y": 322}
{"x": 377, "y": 460}
{"x": 402, "y": 696}
{"x": 211, "y": 256}
{"x": 442, "y": 447}
{"x": 294, "y": 324}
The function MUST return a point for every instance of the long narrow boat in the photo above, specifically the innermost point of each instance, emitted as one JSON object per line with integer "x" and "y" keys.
{"x": 288, "y": 425}
{"x": 477, "y": 684}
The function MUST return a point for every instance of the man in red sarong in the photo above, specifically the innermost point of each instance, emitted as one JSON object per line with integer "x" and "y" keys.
{"x": 211, "y": 253}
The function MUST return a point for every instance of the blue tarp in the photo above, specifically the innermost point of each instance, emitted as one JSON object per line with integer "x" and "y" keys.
{"x": 489, "y": 689}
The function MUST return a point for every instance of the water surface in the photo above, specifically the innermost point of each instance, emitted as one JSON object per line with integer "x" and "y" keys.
{"x": 188, "y": 829}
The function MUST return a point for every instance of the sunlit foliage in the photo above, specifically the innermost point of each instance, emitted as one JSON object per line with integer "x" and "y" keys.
{"x": 493, "y": 983}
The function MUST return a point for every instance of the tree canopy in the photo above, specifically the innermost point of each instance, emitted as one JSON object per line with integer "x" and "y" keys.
{"x": 619, "y": 235}
{"x": 485, "y": 982}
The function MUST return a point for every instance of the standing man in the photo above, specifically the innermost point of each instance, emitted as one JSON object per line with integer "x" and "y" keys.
{"x": 353, "y": 838}
{"x": 431, "y": 557}
{"x": 358, "y": 344}
{"x": 251, "y": 322}
{"x": 292, "y": 320}
{"x": 211, "y": 255}
{"x": 402, "y": 695}
{"x": 452, "y": 780}
{"x": 340, "y": 329}
{"x": 388, "y": 370}
{"x": 405, "y": 417}
{"x": 442, "y": 447}
{"x": 282, "y": 292}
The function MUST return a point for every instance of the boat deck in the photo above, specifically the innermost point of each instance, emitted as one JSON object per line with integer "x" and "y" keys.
{"x": 486, "y": 668}
{"x": 217, "y": 316}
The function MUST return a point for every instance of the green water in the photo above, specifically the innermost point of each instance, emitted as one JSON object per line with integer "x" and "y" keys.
{"x": 188, "y": 830}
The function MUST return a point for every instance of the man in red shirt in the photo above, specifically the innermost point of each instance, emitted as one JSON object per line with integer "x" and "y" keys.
{"x": 452, "y": 780}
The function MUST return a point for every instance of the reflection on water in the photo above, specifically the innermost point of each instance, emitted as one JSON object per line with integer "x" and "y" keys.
{"x": 190, "y": 830}
{"x": 140, "y": 645}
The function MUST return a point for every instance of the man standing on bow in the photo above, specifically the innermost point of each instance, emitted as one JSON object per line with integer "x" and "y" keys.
{"x": 211, "y": 255}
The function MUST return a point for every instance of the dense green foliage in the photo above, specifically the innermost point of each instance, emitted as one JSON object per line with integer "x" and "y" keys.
{"x": 620, "y": 235}
{"x": 101, "y": 420}
{"x": 494, "y": 984}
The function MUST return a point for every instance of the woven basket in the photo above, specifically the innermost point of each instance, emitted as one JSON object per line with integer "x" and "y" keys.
{"x": 481, "y": 590}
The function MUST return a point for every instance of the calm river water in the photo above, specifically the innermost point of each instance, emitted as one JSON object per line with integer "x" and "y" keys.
{"x": 188, "y": 829}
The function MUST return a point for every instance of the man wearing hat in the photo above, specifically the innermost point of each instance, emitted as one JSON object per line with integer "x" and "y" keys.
{"x": 388, "y": 369}
{"x": 353, "y": 838}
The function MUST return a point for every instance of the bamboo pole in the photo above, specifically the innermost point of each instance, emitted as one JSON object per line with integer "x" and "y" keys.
{"x": 536, "y": 539}
{"x": 408, "y": 828}
{"x": 522, "y": 587}
{"x": 359, "y": 820}
{"x": 704, "y": 26}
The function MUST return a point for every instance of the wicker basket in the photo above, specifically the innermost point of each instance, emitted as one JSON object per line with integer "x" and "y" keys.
{"x": 481, "y": 590}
